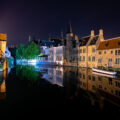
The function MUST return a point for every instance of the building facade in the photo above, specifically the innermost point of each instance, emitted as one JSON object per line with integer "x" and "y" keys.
{"x": 87, "y": 51}
{"x": 3, "y": 41}
{"x": 108, "y": 53}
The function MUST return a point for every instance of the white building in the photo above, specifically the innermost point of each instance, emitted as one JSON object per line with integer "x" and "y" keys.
{"x": 56, "y": 55}
{"x": 59, "y": 55}
{"x": 52, "y": 55}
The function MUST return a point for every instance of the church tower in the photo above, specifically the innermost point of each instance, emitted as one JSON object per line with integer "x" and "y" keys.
{"x": 69, "y": 36}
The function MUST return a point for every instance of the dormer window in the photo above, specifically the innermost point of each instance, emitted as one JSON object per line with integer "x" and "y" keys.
{"x": 107, "y": 44}
{"x": 119, "y": 43}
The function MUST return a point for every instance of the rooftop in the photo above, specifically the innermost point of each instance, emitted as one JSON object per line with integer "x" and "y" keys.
{"x": 94, "y": 40}
{"x": 109, "y": 44}
{"x": 83, "y": 41}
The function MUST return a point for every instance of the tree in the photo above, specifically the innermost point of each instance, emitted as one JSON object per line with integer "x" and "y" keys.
{"x": 20, "y": 52}
{"x": 30, "y": 51}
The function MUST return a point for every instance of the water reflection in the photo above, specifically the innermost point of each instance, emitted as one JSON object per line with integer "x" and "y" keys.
{"x": 27, "y": 73}
{"x": 3, "y": 76}
{"x": 99, "y": 88}
{"x": 76, "y": 82}
{"x": 96, "y": 88}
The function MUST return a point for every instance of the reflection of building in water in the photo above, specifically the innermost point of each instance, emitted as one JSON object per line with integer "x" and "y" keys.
{"x": 54, "y": 76}
{"x": 59, "y": 75}
{"x": 3, "y": 76}
{"x": 103, "y": 87}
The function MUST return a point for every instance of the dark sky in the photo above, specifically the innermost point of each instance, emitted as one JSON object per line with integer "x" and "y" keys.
{"x": 21, "y": 18}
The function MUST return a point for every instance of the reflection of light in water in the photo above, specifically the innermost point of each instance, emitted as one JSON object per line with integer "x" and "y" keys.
{"x": 9, "y": 70}
{"x": 2, "y": 87}
{"x": 100, "y": 74}
{"x": 32, "y": 62}
{"x": 3, "y": 90}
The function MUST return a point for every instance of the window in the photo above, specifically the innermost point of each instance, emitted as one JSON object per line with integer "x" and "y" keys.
{"x": 89, "y": 77}
{"x": 117, "y": 61}
{"x": 117, "y": 93}
{"x": 111, "y": 52}
{"x": 93, "y": 78}
{"x": 83, "y": 76}
{"x": 80, "y": 58}
{"x": 80, "y": 50}
{"x": 100, "y": 86}
{"x": 110, "y": 81}
{"x": 89, "y": 58}
{"x": 93, "y": 87}
{"x": 118, "y": 84}
{"x": 84, "y": 84}
{"x": 93, "y": 58}
{"x": 117, "y": 52}
{"x": 104, "y": 52}
{"x": 99, "y": 60}
{"x": 93, "y": 50}
{"x": 100, "y": 79}
{"x": 100, "y": 52}
{"x": 83, "y": 58}
{"x": 84, "y": 50}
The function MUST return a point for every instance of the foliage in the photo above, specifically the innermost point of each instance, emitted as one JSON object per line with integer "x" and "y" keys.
{"x": 29, "y": 51}
{"x": 20, "y": 52}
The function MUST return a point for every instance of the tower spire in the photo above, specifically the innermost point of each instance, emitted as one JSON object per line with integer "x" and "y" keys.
{"x": 70, "y": 28}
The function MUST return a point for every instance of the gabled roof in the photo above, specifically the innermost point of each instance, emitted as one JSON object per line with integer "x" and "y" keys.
{"x": 83, "y": 41}
{"x": 109, "y": 44}
{"x": 94, "y": 40}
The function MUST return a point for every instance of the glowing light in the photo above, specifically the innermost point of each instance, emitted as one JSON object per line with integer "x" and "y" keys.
{"x": 32, "y": 62}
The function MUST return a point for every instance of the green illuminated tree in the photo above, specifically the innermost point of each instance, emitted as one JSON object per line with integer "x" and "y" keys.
{"x": 30, "y": 51}
{"x": 20, "y": 52}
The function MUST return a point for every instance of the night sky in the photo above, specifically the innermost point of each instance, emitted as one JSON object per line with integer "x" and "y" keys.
{"x": 39, "y": 18}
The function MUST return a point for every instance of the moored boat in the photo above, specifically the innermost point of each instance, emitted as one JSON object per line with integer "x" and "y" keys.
{"x": 107, "y": 72}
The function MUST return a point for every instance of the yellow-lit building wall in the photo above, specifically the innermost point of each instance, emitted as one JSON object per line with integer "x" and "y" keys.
{"x": 82, "y": 56}
{"x": 103, "y": 57}
{"x": 3, "y": 39}
{"x": 91, "y": 56}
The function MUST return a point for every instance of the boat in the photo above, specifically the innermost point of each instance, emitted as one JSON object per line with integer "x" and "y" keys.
{"x": 107, "y": 72}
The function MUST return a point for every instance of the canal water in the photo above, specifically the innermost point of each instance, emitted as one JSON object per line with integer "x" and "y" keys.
{"x": 27, "y": 90}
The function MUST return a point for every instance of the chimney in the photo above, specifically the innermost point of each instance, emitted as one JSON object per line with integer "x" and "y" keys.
{"x": 92, "y": 33}
{"x": 101, "y": 35}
